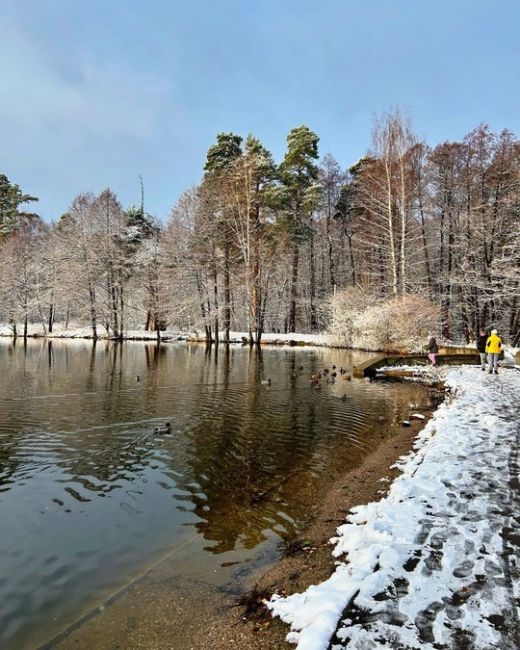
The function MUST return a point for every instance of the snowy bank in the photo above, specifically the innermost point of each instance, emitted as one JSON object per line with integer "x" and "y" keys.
{"x": 268, "y": 338}
{"x": 81, "y": 332}
{"x": 429, "y": 563}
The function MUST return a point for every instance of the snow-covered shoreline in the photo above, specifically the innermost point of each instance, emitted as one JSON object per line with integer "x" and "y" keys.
{"x": 428, "y": 561}
{"x": 268, "y": 338}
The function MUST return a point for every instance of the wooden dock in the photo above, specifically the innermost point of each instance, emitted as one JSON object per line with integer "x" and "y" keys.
{"x": 370, "y": 367}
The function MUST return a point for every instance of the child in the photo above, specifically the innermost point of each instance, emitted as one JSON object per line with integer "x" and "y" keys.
{"x": 493, "y": 347}
{"x": 432, "y": 351}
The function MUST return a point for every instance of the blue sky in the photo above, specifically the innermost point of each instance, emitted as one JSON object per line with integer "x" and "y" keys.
{"x": 95, "y": 92}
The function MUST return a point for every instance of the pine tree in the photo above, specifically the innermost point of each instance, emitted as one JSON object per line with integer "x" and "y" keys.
{"x": 11, "y": 198}
{"x": 255, "y": 176}
{"x": 219, "y": 169}
{"x": 299, "y": 176}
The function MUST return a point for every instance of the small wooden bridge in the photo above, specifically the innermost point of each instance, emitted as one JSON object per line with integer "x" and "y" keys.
{"x": 457, "y": 357}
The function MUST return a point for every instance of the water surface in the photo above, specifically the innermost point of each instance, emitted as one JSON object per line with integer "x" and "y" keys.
{"x": 91, "y": 496}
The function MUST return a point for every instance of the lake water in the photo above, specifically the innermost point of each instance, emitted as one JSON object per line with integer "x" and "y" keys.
{"x": 91, "y": 496}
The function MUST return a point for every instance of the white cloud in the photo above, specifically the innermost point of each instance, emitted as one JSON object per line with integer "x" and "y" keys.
{"x": 103, "y": 99}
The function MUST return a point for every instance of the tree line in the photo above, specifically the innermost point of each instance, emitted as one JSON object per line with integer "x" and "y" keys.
{"x": 263, "y": 246}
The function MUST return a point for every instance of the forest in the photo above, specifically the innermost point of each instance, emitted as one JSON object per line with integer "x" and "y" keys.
{"x": 429, "y": 232}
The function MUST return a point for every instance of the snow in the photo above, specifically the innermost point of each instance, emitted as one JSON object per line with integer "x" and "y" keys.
{"x": 35, "y": 329}
{"x": 430, "y": 562}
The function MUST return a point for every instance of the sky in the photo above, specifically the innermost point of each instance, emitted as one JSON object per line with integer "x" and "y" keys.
{"x": 94, "y": 93}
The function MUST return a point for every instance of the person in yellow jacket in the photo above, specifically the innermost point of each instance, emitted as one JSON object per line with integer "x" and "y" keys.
{"x": 493, "y": 348}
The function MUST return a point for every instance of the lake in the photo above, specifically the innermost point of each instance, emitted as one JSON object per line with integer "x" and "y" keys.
{"x": 92, "y": 496}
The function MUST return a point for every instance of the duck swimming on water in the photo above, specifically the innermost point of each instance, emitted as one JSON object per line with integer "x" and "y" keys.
{"x": 165, "y": 428}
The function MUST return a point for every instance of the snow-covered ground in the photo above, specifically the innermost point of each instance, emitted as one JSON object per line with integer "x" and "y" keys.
{"x": 35, "y": 329}
{"x": 79, "y": 331}
{"x": 434, "y": 564}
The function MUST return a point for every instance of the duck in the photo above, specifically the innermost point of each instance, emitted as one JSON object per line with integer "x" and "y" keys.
{"x": 265, "y": 382}
{"x": 165, "y": 428}
{"x": 138, "y": 378}
{"x": 344, "y": 398}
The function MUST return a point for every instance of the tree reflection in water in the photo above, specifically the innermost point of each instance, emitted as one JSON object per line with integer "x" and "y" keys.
{"x": 245, "y": 461}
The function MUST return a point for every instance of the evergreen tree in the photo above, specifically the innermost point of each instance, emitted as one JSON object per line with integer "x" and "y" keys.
{"x": 11, "y": 198}
{"x": 300, "y": 196}
{"x": 219, "y": 169}
{"x": 256, "y": 176}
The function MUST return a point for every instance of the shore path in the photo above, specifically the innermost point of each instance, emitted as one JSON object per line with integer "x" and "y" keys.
{"x": 435, "y": 564}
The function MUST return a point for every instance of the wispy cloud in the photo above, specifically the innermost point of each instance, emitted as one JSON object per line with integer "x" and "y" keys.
{"x": 83, "y": 96}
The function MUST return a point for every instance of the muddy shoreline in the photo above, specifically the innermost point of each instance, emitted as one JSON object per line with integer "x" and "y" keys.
{"x": 156, "y": 612}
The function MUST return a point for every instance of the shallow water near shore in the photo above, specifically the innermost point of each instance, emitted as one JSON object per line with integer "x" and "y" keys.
{"x": 91, "y": 496}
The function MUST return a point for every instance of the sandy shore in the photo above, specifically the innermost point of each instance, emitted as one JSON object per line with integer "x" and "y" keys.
{"x": 158, "y": 612}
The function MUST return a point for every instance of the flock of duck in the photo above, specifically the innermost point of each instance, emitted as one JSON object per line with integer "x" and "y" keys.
{"x": 326, "y": 375}
{"x": 329, "y": 376}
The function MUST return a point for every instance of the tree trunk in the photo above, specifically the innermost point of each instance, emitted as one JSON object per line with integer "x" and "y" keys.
{"x": 332, "y": 270}
{"x": 42, "y": 319}
{"x": 313, "y": 319}
{"x": 425, "y": 247}
{"x": 390, "y": 227}
{"x": 121, "y": 307}
{"x": 112, "y": 291}
{"x": 257, "y": 301}
{"x": 93, "y": 315}
{"x": 294, "y": 283}
{"x": 215, "y": 304}
{"x": 227, "y": 293}
{"x": 402, "y": 210}
{"x": 51, "y": 317}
